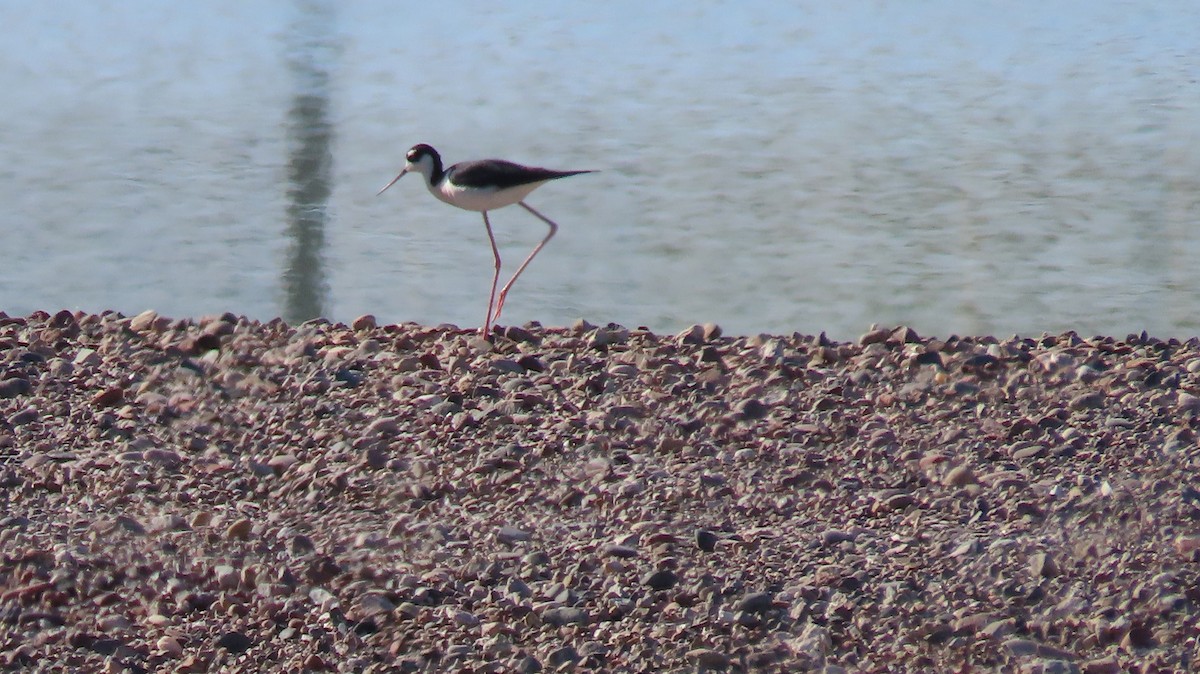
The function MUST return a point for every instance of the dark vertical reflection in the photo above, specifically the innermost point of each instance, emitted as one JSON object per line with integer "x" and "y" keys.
{"x": 310, "y": 53}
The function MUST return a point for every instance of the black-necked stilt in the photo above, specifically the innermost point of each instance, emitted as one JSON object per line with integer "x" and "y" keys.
{"x": 484, "y": 186}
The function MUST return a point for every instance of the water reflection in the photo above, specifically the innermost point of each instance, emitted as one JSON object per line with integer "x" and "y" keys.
{"x": 813, "y": 166}
{"x": 310, "y": 45}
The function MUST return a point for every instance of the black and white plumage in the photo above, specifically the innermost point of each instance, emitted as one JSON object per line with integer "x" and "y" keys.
{"x": 483, "y": 186}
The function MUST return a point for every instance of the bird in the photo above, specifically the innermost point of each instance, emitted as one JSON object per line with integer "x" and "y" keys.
{"x": 484, "y": 185}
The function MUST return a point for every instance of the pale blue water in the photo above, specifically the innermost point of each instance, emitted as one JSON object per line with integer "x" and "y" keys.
{"x": 977, "y": 167}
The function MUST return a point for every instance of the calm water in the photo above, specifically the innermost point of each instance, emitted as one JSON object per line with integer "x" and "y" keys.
{"x": 979, "y": 167}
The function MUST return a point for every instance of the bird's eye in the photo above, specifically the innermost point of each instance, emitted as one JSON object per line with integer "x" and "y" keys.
{"x": 412, "y": 156}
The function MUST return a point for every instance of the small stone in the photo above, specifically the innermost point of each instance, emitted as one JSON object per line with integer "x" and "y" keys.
{"x": 999, "y": 629}
{"x": 281, "y": 462}
{"x": 620, "y": 551}
{"x": 408, "y": 609}
{"x": 529, "y": 665}
{"x": 663, "y": 579}
{"x": 301, "y": 545}
{"x": 506, "y": 366}
{"x": 1028, "y": 450}
{"x": 364, "y": 322}
{"x": 833, "y": 537}
{"x": 512, "y": 535}
{"x": 1020, "y": 647}
{"x": 1138, "y": 637}
{"x": 234, "y": 642}
{"x": 109, "y": 397}
{"x": 745, "y": 455}
{"x": 755, "y": 602}
{"x": 1187, "y": 402}
{"x": 13, "y": 387}
{"x": 158, "y": 620}
{"x": 1051, "y": 652}
{"x": 163, "y": 457}
{"x": 383, "y": 426}
{"x": 898, "y": 502}
{"x": 559, "y": 658}
{"x": 706, "y": 540}
{"x": 752, "y": 409}
{"x": 1107, "y": 665}
{"x": 143, "y": 321}
{"x": 1087, "y": 401}
{"x": 959, "y": 476}
{"x": 877, "y": 336}
{"x": 970, "y": 546}
{"x": 227, "y": 577}
{"x": 1186, "y": 545}
{"x": 466, "y": 618}
{"x": 131, "y": 525}
{"x": 519, "y": 334}
{"x": 707, "y": 658}
{"x": 169, "y": 644}
{"x": 86, "y": 357}
{"x": 565, "y": 615}
{"x": 972, "y": 623}
{"x": 239, "y": 530}
{"x": 1042, "y": 565}
{"x": 746, "y": 619}
{"x": 519, "y": 587}
{"x": 113, "y": 622}
{"x": 692, "y": 335}
{"x": 374, "y": 603}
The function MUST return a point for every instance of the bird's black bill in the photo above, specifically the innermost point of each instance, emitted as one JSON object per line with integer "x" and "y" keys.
{"x": 391, "y": 183}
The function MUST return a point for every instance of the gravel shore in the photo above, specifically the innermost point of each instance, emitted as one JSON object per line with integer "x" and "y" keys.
{"x": 231, "y": 495}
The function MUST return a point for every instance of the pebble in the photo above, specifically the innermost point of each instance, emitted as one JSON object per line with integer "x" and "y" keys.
{"x": 13, "y": 387}
{"x": 834, "y": 537}
{"x": 708, "y": 659}
{"x": 228, "y": 577}
{"x": 1020, "y": 647}
{"x": 512, "y": 535}
{"x": 239, "y": 530}
{"x": 170, "y": 645}
{"x": 234, "y": 642}
{"x": 755, "y": 602}
{"x": 1042, "y": 564}
{"x": 620, "y": 551}
{"x": 663, "y": 579}
{"x": 960, "y": 476}
{"x": 565, "y": 615}
{"x": 1086, "y": 401}
{"x": 1107, "y": 665}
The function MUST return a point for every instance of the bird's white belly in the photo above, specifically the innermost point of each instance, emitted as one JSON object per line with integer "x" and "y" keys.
{"x": 481, "y": 199}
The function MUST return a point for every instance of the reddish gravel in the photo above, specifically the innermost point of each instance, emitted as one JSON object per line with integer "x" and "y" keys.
{"x": 231, "y": 495}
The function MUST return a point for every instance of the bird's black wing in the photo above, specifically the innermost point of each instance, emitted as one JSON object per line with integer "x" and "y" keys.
{"x": 500, "y": 174}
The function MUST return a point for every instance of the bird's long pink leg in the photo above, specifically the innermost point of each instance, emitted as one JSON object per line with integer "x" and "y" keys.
{"x": 511, "y": 281}
{"x": 487, "y": 322}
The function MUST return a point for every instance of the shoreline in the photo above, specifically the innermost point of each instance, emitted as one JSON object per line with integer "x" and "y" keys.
{"x": 221, "y": 492}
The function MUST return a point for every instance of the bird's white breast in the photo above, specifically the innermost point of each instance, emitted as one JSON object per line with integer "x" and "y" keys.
{"x": 479, "y": 198}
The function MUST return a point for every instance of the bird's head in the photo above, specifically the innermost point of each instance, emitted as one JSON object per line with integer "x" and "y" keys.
{"x": 420, "y": 158}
